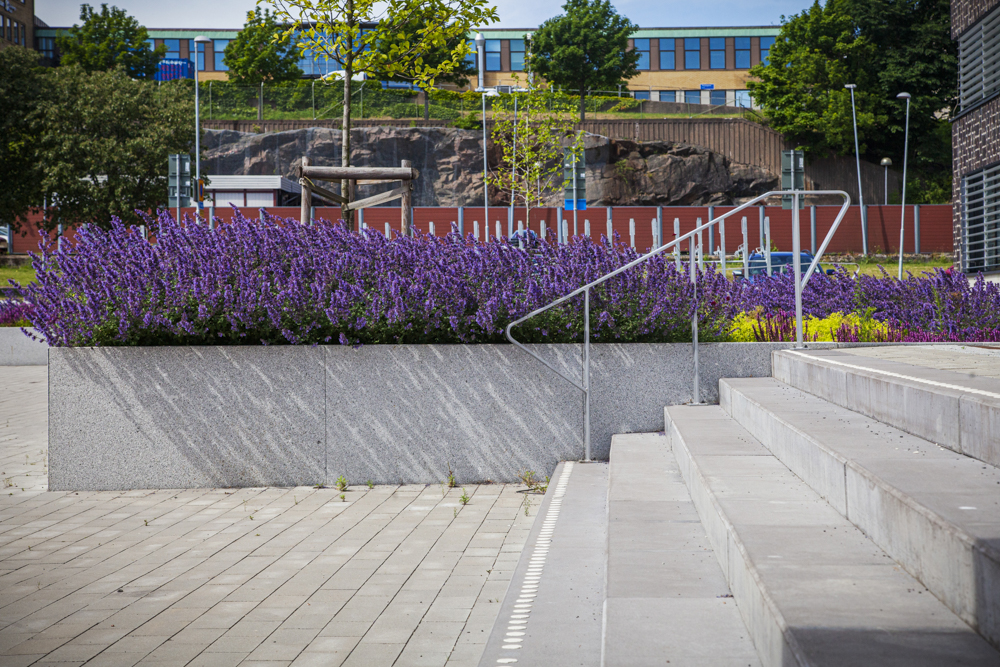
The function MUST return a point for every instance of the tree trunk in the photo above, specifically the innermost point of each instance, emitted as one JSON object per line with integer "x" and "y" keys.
{"x": 583, "y": 103}
{"x": 345, "y": 142}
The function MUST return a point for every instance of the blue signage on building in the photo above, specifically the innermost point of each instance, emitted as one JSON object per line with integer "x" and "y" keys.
{"x": 708, "y": 86}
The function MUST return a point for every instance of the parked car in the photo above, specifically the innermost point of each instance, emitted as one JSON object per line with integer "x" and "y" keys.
{"x": 781, "y": 262}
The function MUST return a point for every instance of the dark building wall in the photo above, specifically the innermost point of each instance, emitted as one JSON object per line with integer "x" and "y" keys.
{"x": 975, "y": 133}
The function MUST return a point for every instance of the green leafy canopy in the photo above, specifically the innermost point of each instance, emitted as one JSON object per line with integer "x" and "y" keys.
{"x": 586, "y": 48}
{"x": 108, "y": 39}
{"x": 261, "y": 52}
{"x": 884, "y": 47}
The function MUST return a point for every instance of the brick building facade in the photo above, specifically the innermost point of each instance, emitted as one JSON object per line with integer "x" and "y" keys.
{"x": 17, "y": 23}
{"x": 976, "y": 136}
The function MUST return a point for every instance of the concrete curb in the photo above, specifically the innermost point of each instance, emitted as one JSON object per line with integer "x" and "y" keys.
{"x": 16, "y": 349}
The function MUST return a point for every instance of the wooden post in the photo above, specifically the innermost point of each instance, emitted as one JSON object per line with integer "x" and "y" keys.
{"x": 306, "y": 205}
{"x": 406, "y": 203}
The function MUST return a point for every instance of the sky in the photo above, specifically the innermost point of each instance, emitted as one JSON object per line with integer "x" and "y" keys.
{"x": 513, "y": 13}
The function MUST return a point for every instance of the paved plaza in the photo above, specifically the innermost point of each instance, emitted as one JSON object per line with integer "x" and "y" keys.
{"x": 393, "y": 575}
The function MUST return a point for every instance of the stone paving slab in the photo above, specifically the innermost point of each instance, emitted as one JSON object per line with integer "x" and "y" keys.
{"x": 391, "y": 575}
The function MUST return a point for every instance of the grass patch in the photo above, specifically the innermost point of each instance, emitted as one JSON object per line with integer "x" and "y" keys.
{"x": 22, "y": 274}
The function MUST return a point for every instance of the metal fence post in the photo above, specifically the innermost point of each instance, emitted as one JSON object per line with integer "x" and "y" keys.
{"x": 461, "y": 222}
{"x": 560, "y": 231}
{"x": 696, "y": 388}
{"x": 631, "y": 232}
{"x": 586, "y": 375}
{"x": 812, "y": 230}
{"x": 611, "y": 228}
{"x": 701, "y": 251}
{"x": 610, "y": 232}
{"x": 916, "y": 229}
{"x": 746, "y": 249}
{"x": 659, "y": 224}
{"x": 767, "y": 244}
{"x": 677, "y": 247}
{"x": 760, "y": 210}
{"x": 722, "y": 246}
{"x": 711, "y": 231}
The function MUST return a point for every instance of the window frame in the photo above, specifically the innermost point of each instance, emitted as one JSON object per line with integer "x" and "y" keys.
{"x": 980, "y": 200}
{"x": 218, "y": 54}
{"x": 690, "y": 52}
{"x": 979, "y": 61}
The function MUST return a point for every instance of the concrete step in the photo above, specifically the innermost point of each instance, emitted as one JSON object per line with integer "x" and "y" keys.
{"x": 934, "y": 511}
{"x": 811, "y": 588}
{"x": 957, "y": 410}
{"x": 552, "y": 611}
{"x": 668, "y": 602}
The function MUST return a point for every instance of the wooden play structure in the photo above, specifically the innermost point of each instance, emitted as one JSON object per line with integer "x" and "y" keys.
{"x": 353, "y": 176}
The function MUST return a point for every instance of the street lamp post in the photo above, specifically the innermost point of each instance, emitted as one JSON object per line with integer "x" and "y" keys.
{"x": 857, "y": 155}
{"x": 481, "y": 52}
{"x": 902, "y": 209}
{"x": 886, "y": 163}
{"x": 200, "y": 39}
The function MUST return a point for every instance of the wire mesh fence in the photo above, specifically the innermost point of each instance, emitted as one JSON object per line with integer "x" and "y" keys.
{"x": 316, "y": 99}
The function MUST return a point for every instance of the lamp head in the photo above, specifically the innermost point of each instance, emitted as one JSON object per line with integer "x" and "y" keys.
{"x": 903, "y": 96}
{"x": 852, "y": 86}
{"x": 201, "y": 39}
{"x": 886, "y": 162}
{"x": 480, "y": 40}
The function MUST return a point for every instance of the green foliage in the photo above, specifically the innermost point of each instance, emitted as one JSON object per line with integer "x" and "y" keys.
{"x": 21, "y": 89}
{"x": 750, "y": 327}
{"x": 885, "y": 47}
{"x": 584, "y": 48}
{"x": 341, "y": 484}
{"x": 261, "y": 52}
{"x": 530, "y": 137}
{"x": 103, "y": 142}
{"x": 109, "y": 39}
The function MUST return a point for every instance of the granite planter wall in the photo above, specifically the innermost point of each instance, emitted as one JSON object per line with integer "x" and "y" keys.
{"x": 189, "y": 417}
{"x": 16, "y": 349}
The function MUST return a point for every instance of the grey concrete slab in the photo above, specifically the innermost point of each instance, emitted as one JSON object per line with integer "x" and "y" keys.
{"x": 934, "y": 511}
{"x": 667, "y": 599}
{"x": 552, "y": 613}
{"x": 811, "y": 588}
{"x": 925, "y": 391}
{"x": 127, "y": 418}
{"x": 19, "y": 349}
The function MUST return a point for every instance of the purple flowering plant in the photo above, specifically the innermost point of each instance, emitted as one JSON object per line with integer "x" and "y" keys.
{"x": 273, "y": 281}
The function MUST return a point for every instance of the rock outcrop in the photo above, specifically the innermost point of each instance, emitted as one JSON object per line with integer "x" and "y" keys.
{"x": 620, "y": 173}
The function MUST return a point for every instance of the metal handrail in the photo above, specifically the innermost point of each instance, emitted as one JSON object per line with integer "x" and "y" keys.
{"x": 800, "y": 281}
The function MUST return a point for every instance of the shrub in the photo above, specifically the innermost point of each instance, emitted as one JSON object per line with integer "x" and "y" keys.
{"x": 14, "y": 314}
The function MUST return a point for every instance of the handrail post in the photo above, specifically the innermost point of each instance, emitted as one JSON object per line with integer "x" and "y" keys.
{"x": 586, "y": 374}
{"x": 797, "y": 268}
{"x": 696, "y": 392}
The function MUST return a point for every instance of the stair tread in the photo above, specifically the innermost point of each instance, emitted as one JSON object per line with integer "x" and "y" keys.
{"x": 667, "y": 598}
{"x": 944, "y": 379}
{"x": 939, "y": 479}
{"x": 841, "y": 598}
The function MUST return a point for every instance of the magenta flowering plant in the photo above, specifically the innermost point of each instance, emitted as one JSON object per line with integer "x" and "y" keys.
{"x": 274, "y": 281}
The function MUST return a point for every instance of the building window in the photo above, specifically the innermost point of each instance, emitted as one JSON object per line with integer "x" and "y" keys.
{"x": 742, "y": 52}
{"x": 717, "y": 98}
{"x": 517, "y": 55}
{"x": 173, "y": 48}
{"x": 765, "y": 49}
{"x": 981, "y": 220}
{"x": 979, "y": 60}
{"x": 692, "y": 96}
{"x": 743, "y": 99}
{"x": 717, "y": 52}
{"x": 473, "y": 56}
{"x": 493, "y": 55}
{"x": 668, "y": 96}
{"x": 219, "y": 45}
{"x": 641, "y": 47}
{"x": 692, "y": 53}
{"x": 222, "y": 198}
{"x": 641, "y": 94}
{"x": 47, "y": 47}
{"x": 193, "y": 49}
{"x": 667, "y": 54}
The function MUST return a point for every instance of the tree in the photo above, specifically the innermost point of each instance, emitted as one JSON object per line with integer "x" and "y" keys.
{"x": 531, "y": 139}
{"x": 346, "y": 32}
{"x": 107, "y": 40}
{"x": 436, "y": 56}
{"x": 885, "y": 47}
{"x": 584, "y": 49}
{"x": 261, "y": 52}
{"x": 22, "y": 86}
{"x": 103, "y": 142}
